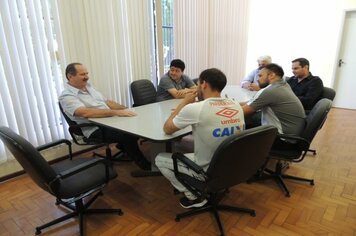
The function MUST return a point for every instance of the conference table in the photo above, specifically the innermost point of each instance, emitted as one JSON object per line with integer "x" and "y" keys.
{"x": 237, "y": 93}
{"x": 148, "y": 123}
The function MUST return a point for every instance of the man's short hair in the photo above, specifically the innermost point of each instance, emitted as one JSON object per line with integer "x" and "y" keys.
{"x": 178, "y": 63}
{"x": 214, "y": 77}
{"x": 71, "y": 70}
{"x": 302, "y": 62}
{"x": 278, "y": 70}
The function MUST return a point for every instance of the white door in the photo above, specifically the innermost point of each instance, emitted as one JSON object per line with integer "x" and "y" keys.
{"x": 345, "y": 79}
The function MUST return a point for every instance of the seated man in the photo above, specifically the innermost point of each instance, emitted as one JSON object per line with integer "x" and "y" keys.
{"x": 278, "y": 104}
{"x": 174, "y": 84}
{"x": 81, "y": 101}
{"x": 213, "y": 119}
{"x": 250, "y": 81}
{"x": 307, "y": 87}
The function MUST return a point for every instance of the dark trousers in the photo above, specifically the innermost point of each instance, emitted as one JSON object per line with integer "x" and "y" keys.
{"x": 126, "y": 142}
{"x": 254, "y": 120}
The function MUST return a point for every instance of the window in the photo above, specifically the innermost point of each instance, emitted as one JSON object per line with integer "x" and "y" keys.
{"x": 167, "y": 28}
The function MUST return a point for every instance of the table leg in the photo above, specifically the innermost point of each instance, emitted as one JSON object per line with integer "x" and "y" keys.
{"x": 154, "y": 170}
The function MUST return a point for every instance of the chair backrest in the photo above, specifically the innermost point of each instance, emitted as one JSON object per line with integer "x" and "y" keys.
{"x": 328, "y": 93}
{"x": 316, "y": 118}
{"x": 143, "y": 92}
{"x": 72, "y": 124}
{"x": 239, "y": 157}
{"x": 28, "y": 157}
{"x": 195, "y": 80}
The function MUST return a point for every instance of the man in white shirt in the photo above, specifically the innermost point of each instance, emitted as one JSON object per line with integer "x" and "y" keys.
{"x": 212, "y": 118}
{"x": 81, "y": 101}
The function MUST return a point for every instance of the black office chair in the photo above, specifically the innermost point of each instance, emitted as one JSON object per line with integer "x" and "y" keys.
{"x": 70, "y": 181}
{"x": 235, "y": 160}
{"x": 297, "y": 151}
{"x": 143, "y": 92}
{"x": 195, "y": 80}
{"x": 75, "y": 131}
{"x": 328, "y": 93}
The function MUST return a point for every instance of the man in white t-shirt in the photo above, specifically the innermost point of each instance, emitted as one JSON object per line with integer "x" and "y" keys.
{"x": 212, "y": 118}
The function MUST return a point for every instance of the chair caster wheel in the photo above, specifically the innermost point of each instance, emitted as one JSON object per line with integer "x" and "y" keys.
{"x": 253, "y": 214}
{"x": 287, "y": 195}
{"x": 120, "y": 213}
{"x": 177, "y": 219}
{"x": 38, "y": 232}
{"x": 312, "y": 182}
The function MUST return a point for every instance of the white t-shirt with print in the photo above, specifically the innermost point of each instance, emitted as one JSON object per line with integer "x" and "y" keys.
{"x": 212, "y": 121}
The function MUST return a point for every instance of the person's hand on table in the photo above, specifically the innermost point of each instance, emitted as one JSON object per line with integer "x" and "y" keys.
{"x": 124, "y": 113}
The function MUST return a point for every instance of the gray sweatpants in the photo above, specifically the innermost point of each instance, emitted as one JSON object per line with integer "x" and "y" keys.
{"x": 164, "y": 162}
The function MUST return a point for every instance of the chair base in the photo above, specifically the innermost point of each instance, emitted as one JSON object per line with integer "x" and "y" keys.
{"x": 214, "y": 209}
{"x": 278, "y": 176}
{"x": 79, "y": 209}
{"x": 119, "y": 156}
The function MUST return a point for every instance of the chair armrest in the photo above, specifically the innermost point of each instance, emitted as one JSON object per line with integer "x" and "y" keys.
{"x": 292, "y": 137}
{"x": 75, "y": 135}
{"x": 84, "y": 125}
{"x": 301, "y": 142}
{"x": 83, "y": 166}
{"x": 52, "y": 144}
{"x": 186, "y": 161}
{"x": 56, "y": 143}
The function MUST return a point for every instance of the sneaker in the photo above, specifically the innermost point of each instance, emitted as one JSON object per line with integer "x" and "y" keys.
{"x": 186, "y": 203}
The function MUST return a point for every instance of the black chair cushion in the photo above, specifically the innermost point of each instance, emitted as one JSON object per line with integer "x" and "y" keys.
{"x": 81, "y": 182}
{"x": 288, "y": 155}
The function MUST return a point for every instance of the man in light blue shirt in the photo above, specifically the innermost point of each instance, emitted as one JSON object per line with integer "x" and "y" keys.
{"x": 250, "y": 81}
{"x": 81, "y": 101}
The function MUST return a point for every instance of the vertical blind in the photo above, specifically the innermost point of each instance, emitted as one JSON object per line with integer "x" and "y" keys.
{"x": 212, "y": 33}
{"x": 114, "y": 39}
{"x": 38, "y": 38}
{"x": 28, "y": 72}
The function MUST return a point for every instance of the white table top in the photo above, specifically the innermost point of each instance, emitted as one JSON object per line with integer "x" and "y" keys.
{"x": 237, "y": 93}
{"x": 148, "y": 123}
{"x": 150, "y": 118}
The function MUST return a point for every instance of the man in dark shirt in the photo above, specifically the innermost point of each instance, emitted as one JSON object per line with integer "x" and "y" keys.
{"x": 307, "y": 88}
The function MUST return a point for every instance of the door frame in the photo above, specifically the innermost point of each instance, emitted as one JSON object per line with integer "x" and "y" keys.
{"x": 334, "y": 80}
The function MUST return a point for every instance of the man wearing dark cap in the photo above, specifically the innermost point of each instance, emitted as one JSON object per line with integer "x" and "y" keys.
{"x": 174, "y": 84}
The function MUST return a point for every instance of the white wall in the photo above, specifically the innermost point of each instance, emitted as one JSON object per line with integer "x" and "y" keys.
{"x": 286, "y": 30}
